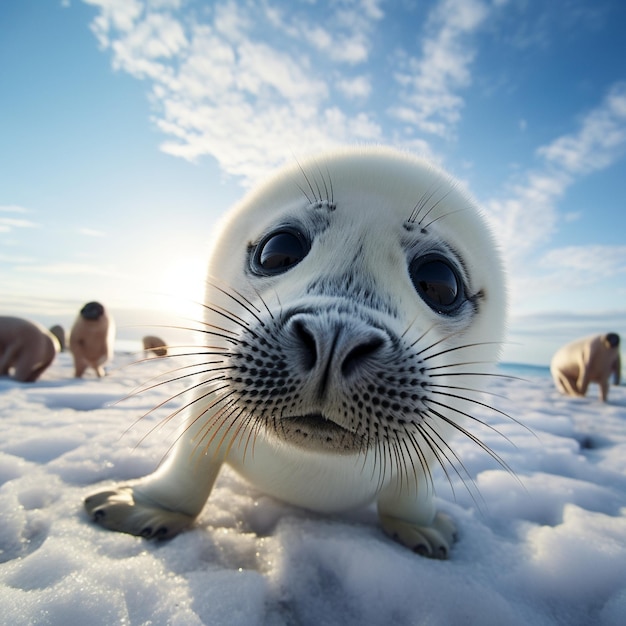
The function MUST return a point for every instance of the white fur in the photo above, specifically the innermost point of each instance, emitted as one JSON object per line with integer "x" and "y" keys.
{"x": 375, "y": 191}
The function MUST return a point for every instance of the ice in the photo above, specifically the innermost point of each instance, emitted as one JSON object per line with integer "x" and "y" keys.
{"x": 543, "y": 543}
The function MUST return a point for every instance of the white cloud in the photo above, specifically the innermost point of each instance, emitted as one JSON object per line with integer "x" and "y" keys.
{"x": 528, "y": 217}
{"x": 16, "y": 260}
{"x": 600, "y": 140}
{"x": 261, "y": 69}
{"x": 343, "y": 35}
{"x": 13, "y": 208}
{"x": 430, "y": 83}
{"x": 9, "y": 224}
{"x": 572, "y": 216}
{"x": 114, "y": 15}
{"x": 69, "y": 269}
{"x": 231, "y": 21}
{"x": 357, "y": 87}
{"x": 587, "y": 263}
{"x": 351, "y": 49}
{"x": 90, "y": 232}
{"x": 240, "y": 85}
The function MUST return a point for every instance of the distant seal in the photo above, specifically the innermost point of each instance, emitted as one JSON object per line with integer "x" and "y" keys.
{"x": 351, "y": 303}
{"x": 91, "y": 339}
{"x": 59, "y": 333}
{"x": 26, "y": 349}
{"x": 589, "y": 360}
{"x": 155, "y": 345}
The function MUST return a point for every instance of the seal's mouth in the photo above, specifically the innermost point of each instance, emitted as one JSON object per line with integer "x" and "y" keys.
{"x": 312, "y": 423}
{"x": 315, "y": 430}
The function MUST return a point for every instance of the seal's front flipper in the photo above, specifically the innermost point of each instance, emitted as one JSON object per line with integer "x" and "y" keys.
{"x": 125, "y": 510}
{"x": 433, "y": 541}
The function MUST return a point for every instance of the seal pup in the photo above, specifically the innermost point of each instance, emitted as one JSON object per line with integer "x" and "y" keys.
{"x": 26, "y": 349}
{"x": 91, "y": 339}
{"x": 588, "y": 360}
{"x": 351, "y": 303}
{"x": 155, "y": 345}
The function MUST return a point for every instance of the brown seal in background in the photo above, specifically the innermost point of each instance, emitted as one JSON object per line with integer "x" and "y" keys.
{"x": 91, "y": 339}
{"x": 26, "y": 349}
{"x": 589, "y": 360}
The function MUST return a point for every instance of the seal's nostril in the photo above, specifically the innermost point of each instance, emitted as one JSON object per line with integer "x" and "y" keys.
{"x": 360, "y": 353}
{"x": 309, "y": 347}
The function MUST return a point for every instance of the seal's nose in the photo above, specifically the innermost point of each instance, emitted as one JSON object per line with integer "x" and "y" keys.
{"x": 330, "y": 348}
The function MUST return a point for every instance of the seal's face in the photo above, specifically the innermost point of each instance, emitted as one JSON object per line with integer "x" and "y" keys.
{"x": 92, "y": 311}
{"x": 351, "y": 305}
{"x": 355, "y": 299}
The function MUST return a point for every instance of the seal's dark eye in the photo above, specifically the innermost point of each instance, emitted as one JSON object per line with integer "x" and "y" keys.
{"x": 279, "y": 251}
{"x": 437, "y": 282}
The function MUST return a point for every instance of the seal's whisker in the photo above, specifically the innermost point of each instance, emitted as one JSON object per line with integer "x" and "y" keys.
{"x": 215, "y": 423}
{"x": 330, "y": 183}
{"x": 487, "y": 406}
{"x": 472, "y": 373}
{"x": 382, "y": 473}
{"x": 251, "y": 432}
{"x": 168, "y": 418}
{"x": 472, "y": 417}
{"x": 421, "y": 337}
{"x": 317, "y": 185}
{"x": 437, "y": 452}
{"x": 444, "y": 446}
{"x": 233, "y": 421}
{"x": 423, "y": 461}
{"x": 422, "y": 202}
{"x": 431, "y": 346}
{"x": 436, "y": 219}
{"x": 188, "y": 425}
{"x": 404, "y": 470}
{"x": 434, "y": 206}
{"x": 432, "y": 368}
{"x": 473, "y": 401}
{"x": 410, "y": 457}
{"x": 304, "y": 193}
{"x": 229, "y": 315}
{"x": 308, "y": 182}
{"x": 145, "y": 387}
{"x": 245, "y": 303}
{"x": 482, "y": 392}
{"x": 462, "y": 347}
{"x": 393, "y": 445}
{"x": 264, "y": 303}
{"x": 496, "y": 457}
{"x": 249, "y": 418}
{"x": 324, "y": 183}
{"x": 169, "y": 399}
{"x": 231, "y": 339}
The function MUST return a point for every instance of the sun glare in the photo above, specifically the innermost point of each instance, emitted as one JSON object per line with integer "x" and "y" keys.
{"x": 182, "y": 287}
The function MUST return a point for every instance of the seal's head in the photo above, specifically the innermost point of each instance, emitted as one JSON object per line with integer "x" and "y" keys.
{"x": 92, "y": 311}
{"x": 367, "y": 284}
{"x": 351, "y": 306}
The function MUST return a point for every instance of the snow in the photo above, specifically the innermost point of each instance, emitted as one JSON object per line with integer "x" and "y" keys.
{"x": 547, "y": 547}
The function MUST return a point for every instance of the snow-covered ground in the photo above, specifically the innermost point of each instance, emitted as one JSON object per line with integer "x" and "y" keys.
{"x": 550, "y": 552}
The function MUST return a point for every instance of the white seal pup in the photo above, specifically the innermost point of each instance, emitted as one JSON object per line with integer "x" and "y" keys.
{"x": 351, "y": 301}
{"x": 26, "y": 349}
{"x": 91, "y": 339}
{"x": 588, "y": 360}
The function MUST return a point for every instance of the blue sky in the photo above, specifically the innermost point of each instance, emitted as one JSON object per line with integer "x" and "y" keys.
{"x": 128, "y": 127}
